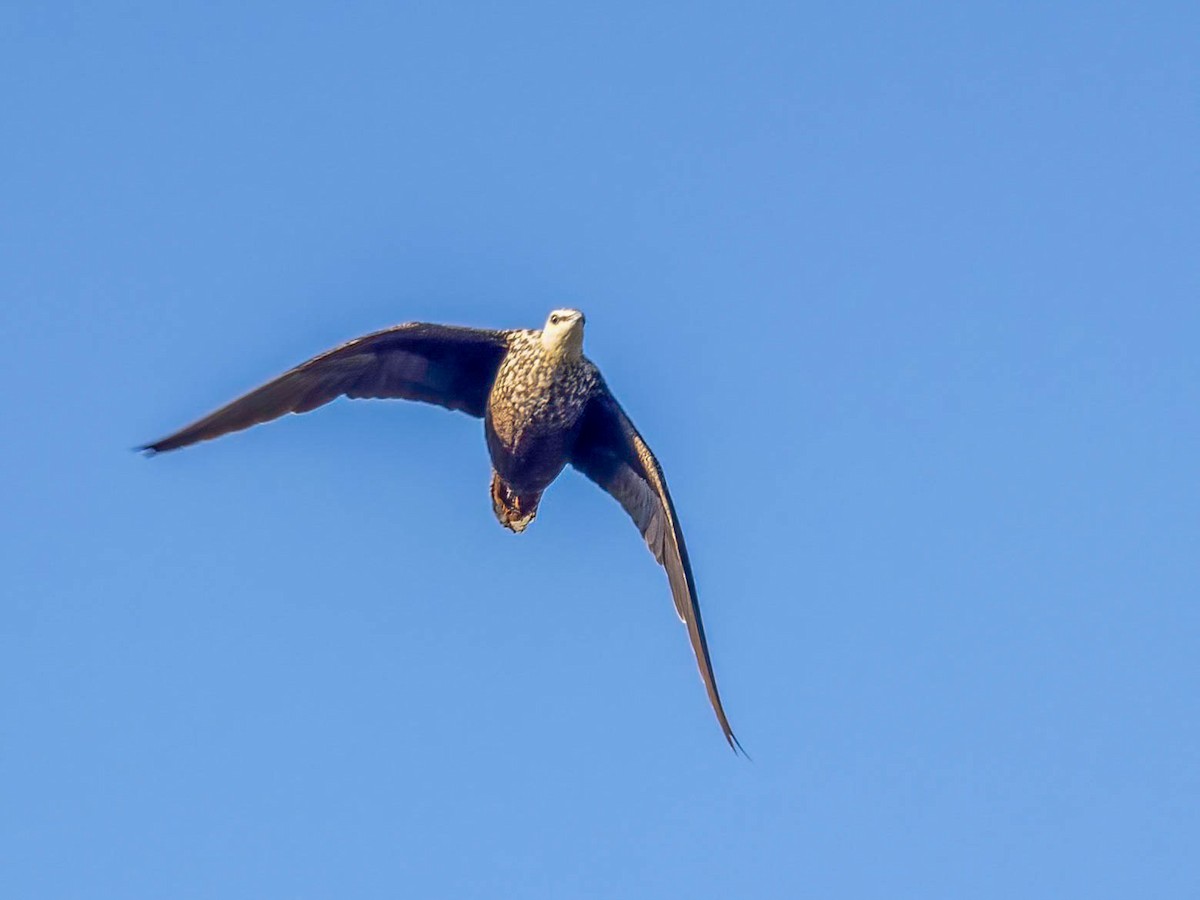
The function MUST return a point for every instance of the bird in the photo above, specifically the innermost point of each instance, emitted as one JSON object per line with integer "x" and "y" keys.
{"x": 544, "y": 406}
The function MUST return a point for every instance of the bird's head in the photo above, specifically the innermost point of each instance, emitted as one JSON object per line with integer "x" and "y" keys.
{"x": 563, "y": 332}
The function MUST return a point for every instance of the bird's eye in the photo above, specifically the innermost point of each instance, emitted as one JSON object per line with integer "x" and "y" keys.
{"x": 554, "y": 320}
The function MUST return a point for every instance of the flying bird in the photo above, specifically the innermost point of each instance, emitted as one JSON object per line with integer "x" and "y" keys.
{"x": 544, "y": 406}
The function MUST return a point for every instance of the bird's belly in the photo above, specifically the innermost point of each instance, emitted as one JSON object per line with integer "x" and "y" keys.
{"x": 532, "y": 419}
{"x": 529, "y": 460}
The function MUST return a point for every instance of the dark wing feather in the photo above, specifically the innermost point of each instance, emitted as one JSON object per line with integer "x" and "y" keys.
{"x": 611, "y": 453}
{"x": 443, "y": 364}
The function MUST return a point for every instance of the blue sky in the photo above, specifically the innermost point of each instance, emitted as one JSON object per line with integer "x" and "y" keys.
{"x": 903, "y": 296}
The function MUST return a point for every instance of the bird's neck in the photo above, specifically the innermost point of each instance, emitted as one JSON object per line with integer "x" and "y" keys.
{"x": 566, "y": 350}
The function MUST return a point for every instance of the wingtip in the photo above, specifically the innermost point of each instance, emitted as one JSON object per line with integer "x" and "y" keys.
{"x": 147, "y": 450}
{"x": 736, "y": 746}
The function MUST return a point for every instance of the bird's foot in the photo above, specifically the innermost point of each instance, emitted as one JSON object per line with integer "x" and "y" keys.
{"x": 517, "y": 524}
{"x": 513, "y": 511}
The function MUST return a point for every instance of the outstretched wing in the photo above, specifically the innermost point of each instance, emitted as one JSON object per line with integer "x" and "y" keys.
{"x": 443, "y": 364}
{"x": 611, "y": 453}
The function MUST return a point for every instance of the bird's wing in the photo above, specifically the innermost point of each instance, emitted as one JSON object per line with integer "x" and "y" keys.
{"x": 611, "y": 453}
{"x": 443, "y": 364}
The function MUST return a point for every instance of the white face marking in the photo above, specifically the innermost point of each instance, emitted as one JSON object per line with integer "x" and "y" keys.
{"x": 564, "y": 331}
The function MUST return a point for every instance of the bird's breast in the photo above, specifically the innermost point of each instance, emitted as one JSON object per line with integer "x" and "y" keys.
{"x": 532, "y": 418}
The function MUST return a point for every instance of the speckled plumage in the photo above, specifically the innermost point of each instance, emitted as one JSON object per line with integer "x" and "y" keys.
{"x": 534, "y": 411}
{"x": 544, "y": 405}
{"x": 536, "y": 390}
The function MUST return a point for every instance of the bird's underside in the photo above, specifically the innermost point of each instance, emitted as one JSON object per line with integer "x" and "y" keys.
{"x": 544, "y": 405}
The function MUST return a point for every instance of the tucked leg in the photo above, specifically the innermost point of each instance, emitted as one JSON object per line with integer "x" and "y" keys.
{"x": 514, "y": 511}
